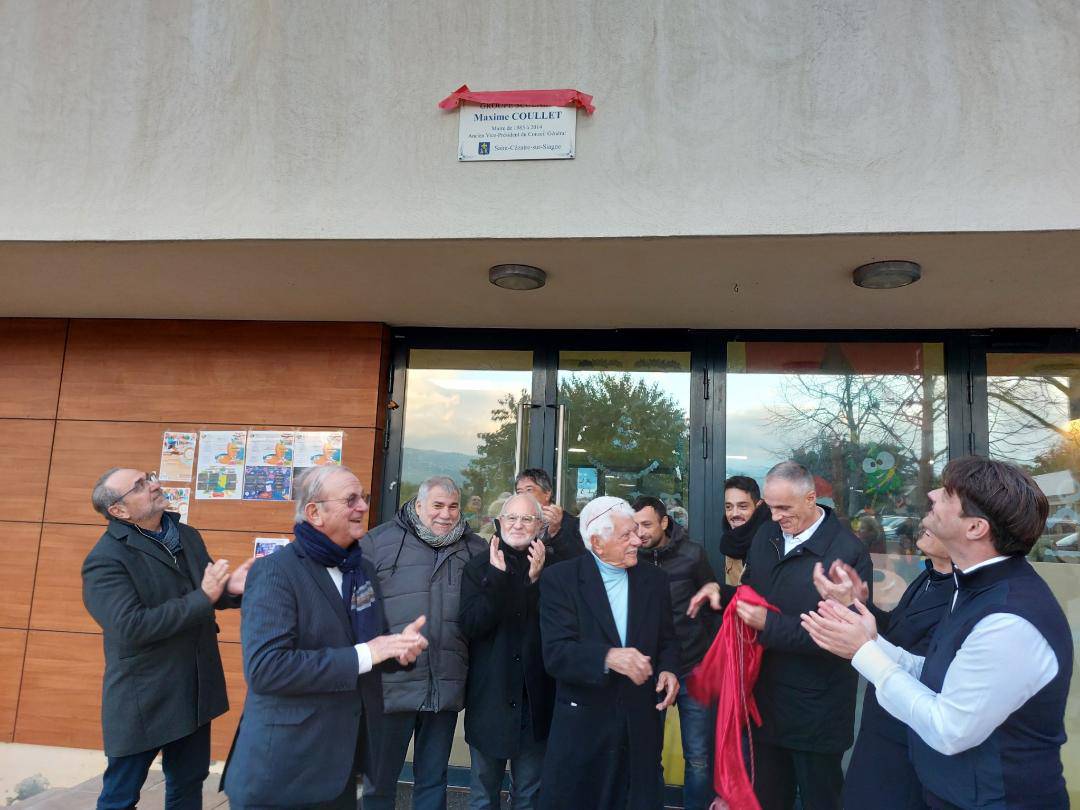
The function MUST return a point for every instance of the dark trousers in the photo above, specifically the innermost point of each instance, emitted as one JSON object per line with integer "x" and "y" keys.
{"x": 345, "y": 801}
{"x": 432, "y": 734}
{"x": 185, "y": 762}
{"x": 486, "y": 777}
{"x": 779, "y": 771}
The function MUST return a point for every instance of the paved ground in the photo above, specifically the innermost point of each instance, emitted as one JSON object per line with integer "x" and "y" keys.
{"x": 84, "y": 796}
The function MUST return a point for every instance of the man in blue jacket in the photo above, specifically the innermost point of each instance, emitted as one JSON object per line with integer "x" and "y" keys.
{"x": 313, "y": 632}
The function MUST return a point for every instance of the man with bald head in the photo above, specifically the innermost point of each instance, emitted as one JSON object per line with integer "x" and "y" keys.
{"x": 152, "y": 587}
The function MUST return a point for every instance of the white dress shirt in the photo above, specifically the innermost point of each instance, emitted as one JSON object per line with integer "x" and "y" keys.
{"x": 793, "y": 541}
{"x": 1003, "y": 662}
{"x": 363, "y": 654}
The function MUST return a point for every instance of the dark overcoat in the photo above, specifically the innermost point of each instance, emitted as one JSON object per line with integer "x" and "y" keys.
{"x": 500, "y": 616}
{"x": 163, "y": 675}
{"x": 298, "y": 737}
{"x": 880, "y": 773}
{"x": 806, "y": 696}
{"x": 596, "y": 711}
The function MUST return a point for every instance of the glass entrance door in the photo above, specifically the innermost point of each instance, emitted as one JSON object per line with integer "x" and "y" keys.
{"x": 623, "y": 428}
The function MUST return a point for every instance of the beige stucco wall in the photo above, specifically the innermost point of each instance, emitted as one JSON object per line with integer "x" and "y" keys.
{"x": 200, "y": 120}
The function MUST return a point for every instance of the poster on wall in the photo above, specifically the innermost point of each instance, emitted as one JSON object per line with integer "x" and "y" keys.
{"x": 268, "y": 483}
{"x": 220, "y": 473}
{"x": 268, "y": 466}
{"x": 317, "y": 448}
{"x": 177, "y": 456}
{"x": 265, "y": 546}
{"x": 178, "y": 498}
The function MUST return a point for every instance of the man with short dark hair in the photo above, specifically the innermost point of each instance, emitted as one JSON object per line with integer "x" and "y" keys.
{"x": 152, "y": 587}
{"x": 744, "y": 513}
{"x": 806, "y": 698}
{"x": 562, "y": 534}
{"x": 666, "y": 544}
{"x": 985, "y": 706}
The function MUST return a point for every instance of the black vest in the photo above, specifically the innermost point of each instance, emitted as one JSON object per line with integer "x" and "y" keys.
{"x": 1019, "y": 764}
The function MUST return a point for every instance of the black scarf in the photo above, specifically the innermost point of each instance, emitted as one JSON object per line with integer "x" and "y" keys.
{"x": 736, "y": 541}
{"x": 356, "y": 591}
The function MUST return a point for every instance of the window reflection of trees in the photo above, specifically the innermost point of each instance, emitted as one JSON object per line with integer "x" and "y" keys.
{"x": 870, "y": 437}
{"x": 1035, "y": 422}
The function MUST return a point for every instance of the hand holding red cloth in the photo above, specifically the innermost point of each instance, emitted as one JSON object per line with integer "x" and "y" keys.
{"x": 726, "y": 676}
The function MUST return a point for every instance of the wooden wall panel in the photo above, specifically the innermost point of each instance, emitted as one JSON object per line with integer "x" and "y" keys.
{"x": 83, "y": 450}
{"x": 234, "y": 547}
{"x": 31, "y": 354}
{"x": 12, "y": 645}
{"x": 25, "y": 471}
{"x": 60, "y": 699}
{"x": 18, "y": 558}
{"x": 312, "y": 373}
{"x": 223, "y": 729}
{"x": 58, "y": 601}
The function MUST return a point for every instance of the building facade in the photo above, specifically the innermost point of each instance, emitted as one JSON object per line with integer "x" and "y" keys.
{"x": 253, "y": 216}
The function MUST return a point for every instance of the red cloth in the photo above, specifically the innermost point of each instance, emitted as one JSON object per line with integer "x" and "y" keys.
{"x": 528, "y": 98}
{"x": 726, "y": 676}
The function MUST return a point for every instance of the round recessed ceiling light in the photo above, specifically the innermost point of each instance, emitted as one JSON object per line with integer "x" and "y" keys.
{"x": 887, "y": 275}
{"x": 517, "y": 276}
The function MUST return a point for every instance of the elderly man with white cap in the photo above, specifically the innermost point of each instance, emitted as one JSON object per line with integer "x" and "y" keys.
{"x": 609, "y": 642}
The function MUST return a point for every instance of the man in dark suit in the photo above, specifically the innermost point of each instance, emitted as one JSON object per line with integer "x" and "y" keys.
{"x": 610, "y": 644}
{"x": 313, "y": 631}
{"x": 806, "y": 699}
{"x": 880, "y": 773}
{"x": 152, "y": 587}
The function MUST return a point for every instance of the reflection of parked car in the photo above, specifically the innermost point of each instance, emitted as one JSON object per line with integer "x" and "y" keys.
{"x": 1068, "y": 541}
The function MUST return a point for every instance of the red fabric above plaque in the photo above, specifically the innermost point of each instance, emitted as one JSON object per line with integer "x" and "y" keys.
{"x": 525, "y": 98}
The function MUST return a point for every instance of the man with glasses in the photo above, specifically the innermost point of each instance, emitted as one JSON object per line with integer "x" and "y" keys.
{"x": 509, "y": 695}
{"x": 152, "y": 587}
{"x": 315, "y": 639}
{"x": 561, "y": 529}
{"x": 610, "y": 644}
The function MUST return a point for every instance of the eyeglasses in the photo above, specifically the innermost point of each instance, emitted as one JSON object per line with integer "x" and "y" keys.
{"x": 527, "y": 520}
{"x": 351, "y": 502}
{"x": 140, "y": 486}
{"x": 597, "y": 517}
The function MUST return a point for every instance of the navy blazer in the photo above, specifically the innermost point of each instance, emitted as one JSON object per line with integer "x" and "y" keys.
{"x": 297, "y": 739}
{"x": 597, "y": 711}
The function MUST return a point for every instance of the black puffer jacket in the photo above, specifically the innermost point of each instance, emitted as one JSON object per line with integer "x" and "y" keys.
{"x": 688, "y": 569}
{"x": 419, "y": 580}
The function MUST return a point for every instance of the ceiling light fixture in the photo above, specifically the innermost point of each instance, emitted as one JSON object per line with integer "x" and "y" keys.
{"x": 517, "y": 276}
{"x": 887, "y": 275}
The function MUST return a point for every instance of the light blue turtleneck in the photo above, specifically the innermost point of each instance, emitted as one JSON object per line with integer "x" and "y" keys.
{"x": 617, "y": 584}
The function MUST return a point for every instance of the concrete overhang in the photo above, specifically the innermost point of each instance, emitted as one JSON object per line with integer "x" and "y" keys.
{"x": 970, "y": 280}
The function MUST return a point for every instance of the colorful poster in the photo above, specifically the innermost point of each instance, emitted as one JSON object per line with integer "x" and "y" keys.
{"x": 270, "y": 448}
{"x": 265, "y": 546}
{"x": 315, "y": 448}
{"x": 220, "y": 474}
{"x": 268, "y": 483}
{"x": 177, "y": 456}
{"x": 178, "y": 498}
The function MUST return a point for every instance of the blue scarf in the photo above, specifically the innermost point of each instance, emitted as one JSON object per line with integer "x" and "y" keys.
{"x": 356, "y": 591}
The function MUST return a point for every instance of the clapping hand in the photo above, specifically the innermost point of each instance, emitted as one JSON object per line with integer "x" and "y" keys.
{"x": 839, "y": 630}
{"x": 405, "y": 646}
{"x": 843, "y": 584}
{"x": 537, "y": 553}
{"x": 495, "y": 554}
